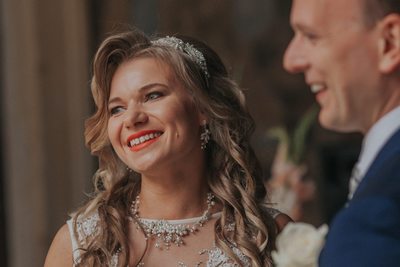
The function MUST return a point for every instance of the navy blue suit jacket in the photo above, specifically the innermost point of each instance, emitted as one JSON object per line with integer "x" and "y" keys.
{"x": 367, "y": 232}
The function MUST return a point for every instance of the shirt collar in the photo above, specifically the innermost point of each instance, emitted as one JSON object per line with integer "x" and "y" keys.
{"x": 376, "y": 138}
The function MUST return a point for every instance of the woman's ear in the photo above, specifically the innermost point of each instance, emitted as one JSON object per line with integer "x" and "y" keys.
{"x": 389, "y": 46}
{"x": 202, "y": 118}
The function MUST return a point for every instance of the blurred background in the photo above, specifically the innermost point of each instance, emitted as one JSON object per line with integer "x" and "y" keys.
{"x": 46, "y": 50}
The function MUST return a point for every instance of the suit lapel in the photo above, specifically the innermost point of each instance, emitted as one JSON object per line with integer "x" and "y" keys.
{"x": 389, "y": 150}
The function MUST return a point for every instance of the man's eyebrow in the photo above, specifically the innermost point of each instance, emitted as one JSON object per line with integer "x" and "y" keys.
{"x": 298, "y": 26}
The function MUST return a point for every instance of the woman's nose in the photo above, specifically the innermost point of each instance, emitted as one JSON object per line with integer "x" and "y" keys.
{"x": 134, "y": 117}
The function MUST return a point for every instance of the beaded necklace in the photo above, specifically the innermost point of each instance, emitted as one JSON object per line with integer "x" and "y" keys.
{"x": 164, "y": 232}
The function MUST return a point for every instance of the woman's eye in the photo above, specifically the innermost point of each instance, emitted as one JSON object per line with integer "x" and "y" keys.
{"x": 153, "y": 95}
{"x": 116, "y": 110}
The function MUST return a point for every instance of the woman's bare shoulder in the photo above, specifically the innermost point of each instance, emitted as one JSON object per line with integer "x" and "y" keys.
{"x": 282, "y": 220}
{"x": 60, "y": 252}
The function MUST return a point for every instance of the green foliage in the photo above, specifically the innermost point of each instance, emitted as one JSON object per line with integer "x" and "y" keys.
{"x": 296, "y": 141}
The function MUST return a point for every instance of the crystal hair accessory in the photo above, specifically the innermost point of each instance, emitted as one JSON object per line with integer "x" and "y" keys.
{"x": 164, "y": 232}
{"x": 187, "y": 48}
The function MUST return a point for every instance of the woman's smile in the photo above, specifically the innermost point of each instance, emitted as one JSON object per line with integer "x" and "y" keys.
{"x": 142, "y": 139}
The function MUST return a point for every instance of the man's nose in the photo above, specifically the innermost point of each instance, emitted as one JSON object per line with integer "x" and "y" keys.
{"x": 135, "y": 116}
{"x": 294, "y": 59}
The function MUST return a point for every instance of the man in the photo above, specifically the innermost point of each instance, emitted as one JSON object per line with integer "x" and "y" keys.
{"x": 349, "y": 52}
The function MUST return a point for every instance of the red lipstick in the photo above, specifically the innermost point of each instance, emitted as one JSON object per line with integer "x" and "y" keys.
{"x": 142, "y": 139}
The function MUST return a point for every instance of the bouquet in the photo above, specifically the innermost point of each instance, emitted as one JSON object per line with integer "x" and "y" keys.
{"x": 299, "y": 245}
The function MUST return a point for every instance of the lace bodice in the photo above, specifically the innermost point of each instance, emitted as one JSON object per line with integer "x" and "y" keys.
{"x": 88, "y": 227}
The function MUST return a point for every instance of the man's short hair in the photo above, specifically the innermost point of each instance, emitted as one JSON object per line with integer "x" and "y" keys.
{"x": 377, "y": 9}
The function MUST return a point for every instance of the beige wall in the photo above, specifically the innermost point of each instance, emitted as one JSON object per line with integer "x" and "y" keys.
{"x": 44, "y": 102}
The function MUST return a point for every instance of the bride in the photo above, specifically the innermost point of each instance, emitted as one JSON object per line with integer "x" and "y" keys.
{"x": 178, "y": 183}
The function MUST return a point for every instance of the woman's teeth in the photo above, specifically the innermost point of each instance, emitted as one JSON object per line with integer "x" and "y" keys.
{"x": 143, "y": 138}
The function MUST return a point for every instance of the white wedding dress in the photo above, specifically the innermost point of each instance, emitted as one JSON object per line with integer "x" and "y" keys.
{"x": 89, "y": 226}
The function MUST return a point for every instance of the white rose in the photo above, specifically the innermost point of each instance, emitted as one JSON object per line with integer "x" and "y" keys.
{"x": 299, "y": 245}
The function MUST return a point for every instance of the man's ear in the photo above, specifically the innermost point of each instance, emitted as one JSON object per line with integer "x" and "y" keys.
{"x": 389, "y": 46}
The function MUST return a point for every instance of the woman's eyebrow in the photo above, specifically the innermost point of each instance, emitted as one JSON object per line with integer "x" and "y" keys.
{"x": 142, "y": 89}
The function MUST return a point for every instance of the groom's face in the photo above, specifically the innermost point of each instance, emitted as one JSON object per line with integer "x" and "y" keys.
{"x": 337, "y": 52}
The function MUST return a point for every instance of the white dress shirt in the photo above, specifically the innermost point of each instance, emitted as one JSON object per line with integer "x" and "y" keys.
{"x": 373, "y": 142}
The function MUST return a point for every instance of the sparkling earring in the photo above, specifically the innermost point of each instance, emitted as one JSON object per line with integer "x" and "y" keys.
{"x": 205, "y": 135}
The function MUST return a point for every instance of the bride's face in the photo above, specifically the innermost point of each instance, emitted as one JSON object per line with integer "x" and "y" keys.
{"x": 153, "y": 121}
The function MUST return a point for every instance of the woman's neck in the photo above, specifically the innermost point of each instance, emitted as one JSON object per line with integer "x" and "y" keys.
{"x": 173, "y": 195}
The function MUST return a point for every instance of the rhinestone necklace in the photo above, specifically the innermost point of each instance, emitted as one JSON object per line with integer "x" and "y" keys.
{"x": 164, "y": 232}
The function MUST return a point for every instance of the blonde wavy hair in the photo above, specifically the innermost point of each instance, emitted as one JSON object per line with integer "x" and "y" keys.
{"x": 234, "y": 174}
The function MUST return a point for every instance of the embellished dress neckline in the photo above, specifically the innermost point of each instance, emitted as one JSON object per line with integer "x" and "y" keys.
{"x": 183, "y": 221}
{"x": 88, "y": 226}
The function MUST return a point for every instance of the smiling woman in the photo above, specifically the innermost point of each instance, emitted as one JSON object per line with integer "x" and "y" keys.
{"x": 178, "y": 182}
{"x": 154, "y": 116}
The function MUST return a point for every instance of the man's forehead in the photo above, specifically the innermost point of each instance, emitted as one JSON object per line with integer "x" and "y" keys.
{"x": 309, "y": 12}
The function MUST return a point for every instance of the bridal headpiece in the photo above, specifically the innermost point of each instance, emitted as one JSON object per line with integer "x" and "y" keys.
{"x": 187, "y": 48}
